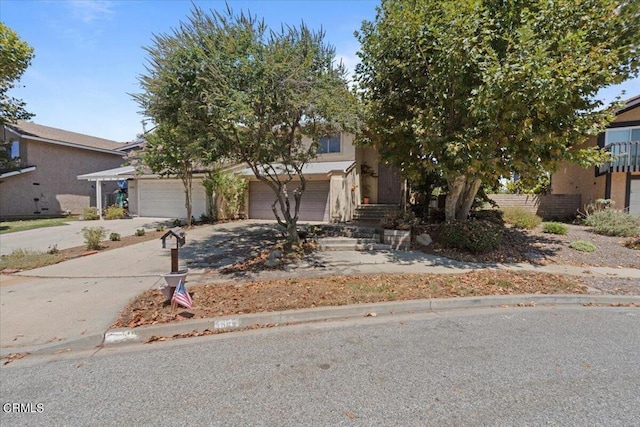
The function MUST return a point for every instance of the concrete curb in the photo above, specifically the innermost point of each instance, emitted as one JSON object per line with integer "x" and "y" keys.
{"x": 230, "y": 323}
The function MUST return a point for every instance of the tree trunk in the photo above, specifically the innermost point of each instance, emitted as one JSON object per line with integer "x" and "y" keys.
{"x": 456, "y": 188}
{"x": 187, "y": 180}
{"x": 467, "y": 198}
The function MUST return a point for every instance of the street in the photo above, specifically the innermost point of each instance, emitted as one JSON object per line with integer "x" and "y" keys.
{"x": 502, "y": 366}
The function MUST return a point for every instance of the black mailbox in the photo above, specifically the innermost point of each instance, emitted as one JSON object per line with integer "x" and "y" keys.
{"x": 179, "y": 236}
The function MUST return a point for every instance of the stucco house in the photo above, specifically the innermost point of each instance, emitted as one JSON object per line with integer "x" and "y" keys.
{"x": 43, "y": 180}
{"x": 336, "y": 186}
{"x": 618, "y": 180}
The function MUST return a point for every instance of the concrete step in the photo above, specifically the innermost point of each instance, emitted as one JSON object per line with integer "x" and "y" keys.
{"x": 357, "y": 247}
{"x": 352, "y": 240}
{"x": 351, "y": 244}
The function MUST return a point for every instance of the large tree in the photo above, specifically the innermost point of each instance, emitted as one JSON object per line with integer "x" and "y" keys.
{"x": 15, "y": 58}
{"x": 266, "y": 89}
{"x": 478, "y": 89}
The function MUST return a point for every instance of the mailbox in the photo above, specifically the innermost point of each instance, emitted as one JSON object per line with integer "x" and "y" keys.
{"x": 179, "y": 236}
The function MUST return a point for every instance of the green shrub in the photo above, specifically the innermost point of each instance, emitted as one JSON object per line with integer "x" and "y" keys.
{"x": 177, "y": 222}
{"x": 140, "y": 232}
{"x": 555, "y": 228}
{"x": 90, "y": 213}
{"x": 399, "y": 220}
{"x": 582, "y": 246}
{"x": 521, "y": 218}
{"x": 113, "y": 212}
{"x": 160, "y": 228}
{"x": 492, "y": 215}
{"x": 475, "y": 236}
{"x": 114, "y": 237}
{"x": 612, "y": 222}
{"x": 93, "y": 236}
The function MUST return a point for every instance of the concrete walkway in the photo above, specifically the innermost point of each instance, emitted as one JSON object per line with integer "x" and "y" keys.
{"x": 71, "y": 305}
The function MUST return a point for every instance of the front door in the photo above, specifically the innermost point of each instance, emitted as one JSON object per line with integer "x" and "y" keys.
{"x": 389, "y": 185}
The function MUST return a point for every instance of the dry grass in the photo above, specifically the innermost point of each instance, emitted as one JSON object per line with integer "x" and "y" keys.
{"x": 287, "y": 294}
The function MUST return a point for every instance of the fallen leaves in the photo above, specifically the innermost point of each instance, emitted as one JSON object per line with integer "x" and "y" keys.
{"x": 14, "y": 356}
{"x": 290, "y": 294}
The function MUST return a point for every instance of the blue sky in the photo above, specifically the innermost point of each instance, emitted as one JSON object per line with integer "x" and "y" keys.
{"x": 89, "y": 54}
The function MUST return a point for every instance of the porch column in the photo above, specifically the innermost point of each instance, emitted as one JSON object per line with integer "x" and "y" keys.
{"x": 99, "y": 197}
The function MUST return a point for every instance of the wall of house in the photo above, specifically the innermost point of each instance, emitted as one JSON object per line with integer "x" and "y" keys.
{"x": 573, "y": 179}
{"x": 53, "y": 187}
{"x": 344, "y": 195}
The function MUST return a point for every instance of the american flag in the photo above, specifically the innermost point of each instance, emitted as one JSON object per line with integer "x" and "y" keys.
{"x": 181, "y": 296}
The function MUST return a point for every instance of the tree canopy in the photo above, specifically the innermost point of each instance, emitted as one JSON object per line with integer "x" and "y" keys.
{"x": 478, "y": 89}
{"x": 258, "y": 91}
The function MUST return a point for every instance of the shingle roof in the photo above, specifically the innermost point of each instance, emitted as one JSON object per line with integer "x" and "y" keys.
{"x": 27, "y": 129}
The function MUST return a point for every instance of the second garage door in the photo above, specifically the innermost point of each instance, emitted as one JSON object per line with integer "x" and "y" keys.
{"x": 314, "y": 205}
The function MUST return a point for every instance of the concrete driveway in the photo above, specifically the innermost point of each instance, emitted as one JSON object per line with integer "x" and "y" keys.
{"x": 69, "y": 236}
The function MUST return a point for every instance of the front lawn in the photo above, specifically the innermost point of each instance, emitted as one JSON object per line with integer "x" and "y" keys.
{"x": 31, "y": 224}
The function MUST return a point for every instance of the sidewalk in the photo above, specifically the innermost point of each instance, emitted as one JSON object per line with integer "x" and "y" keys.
{"x": 71, "y": 305}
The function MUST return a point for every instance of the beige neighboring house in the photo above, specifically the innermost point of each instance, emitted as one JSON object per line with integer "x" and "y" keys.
{"x": 47, "y": 162}
{"x": 335, "y": 186}
{"x": 618, "y": 180}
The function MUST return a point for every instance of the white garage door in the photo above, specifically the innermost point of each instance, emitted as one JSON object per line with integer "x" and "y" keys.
{"x": 314, "y": 205}
{"x": 164, "y": 198}
{"x": 634, "y": 197}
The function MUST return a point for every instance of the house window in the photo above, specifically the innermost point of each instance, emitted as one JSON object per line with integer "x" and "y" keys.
{"x": 13, "y": 150}
{"x": 622, "y": 135}
{"x": 329, "y": 145}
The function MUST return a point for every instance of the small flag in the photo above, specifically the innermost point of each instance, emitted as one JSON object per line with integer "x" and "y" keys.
{"x": 181, "y": 296}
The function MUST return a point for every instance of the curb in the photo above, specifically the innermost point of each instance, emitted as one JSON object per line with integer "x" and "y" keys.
{"x": 230, "y": 323}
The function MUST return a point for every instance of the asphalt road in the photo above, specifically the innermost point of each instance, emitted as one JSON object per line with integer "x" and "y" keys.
{"x": 511, "y": 366}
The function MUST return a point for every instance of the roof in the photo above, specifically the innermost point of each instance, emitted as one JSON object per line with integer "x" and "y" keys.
{"x": 629, "y": 104}
{"x": 310, "y": 168}
{"x": 110, "y": 174}
{"x": 48, "y": 134}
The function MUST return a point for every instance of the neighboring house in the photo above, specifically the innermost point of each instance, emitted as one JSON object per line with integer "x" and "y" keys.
{"x": 335, "y": 186}
{"x": 618, "y": 180}
{"x": 47, "y": 161}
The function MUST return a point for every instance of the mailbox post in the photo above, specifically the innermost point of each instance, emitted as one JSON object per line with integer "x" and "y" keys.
{"x": 180, "y": 241}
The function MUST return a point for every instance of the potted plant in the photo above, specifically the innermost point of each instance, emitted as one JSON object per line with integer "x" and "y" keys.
{"x": 366, "y": 172}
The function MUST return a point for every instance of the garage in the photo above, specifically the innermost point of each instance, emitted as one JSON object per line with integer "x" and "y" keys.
{"x": 314, "y": 205}
{"x": 164, "y": 198}
{"x": 634, "y": 196}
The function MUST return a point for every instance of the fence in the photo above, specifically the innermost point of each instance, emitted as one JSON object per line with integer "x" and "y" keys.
{"x": 547, "y": 206}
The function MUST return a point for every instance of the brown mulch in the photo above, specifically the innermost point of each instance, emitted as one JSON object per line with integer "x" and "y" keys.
{"x": 288, "y": 294}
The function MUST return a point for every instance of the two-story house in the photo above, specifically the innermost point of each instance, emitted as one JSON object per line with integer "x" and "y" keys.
{"x": 338, "y": 181}
{"x": 619, "y": 180}
{"x": 45, "y": 163}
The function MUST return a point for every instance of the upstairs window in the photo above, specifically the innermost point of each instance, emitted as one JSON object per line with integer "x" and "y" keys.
{"x": 329, "y": 145}
{"x": 13, "y": 150}
{"x": 622, "y": 135}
